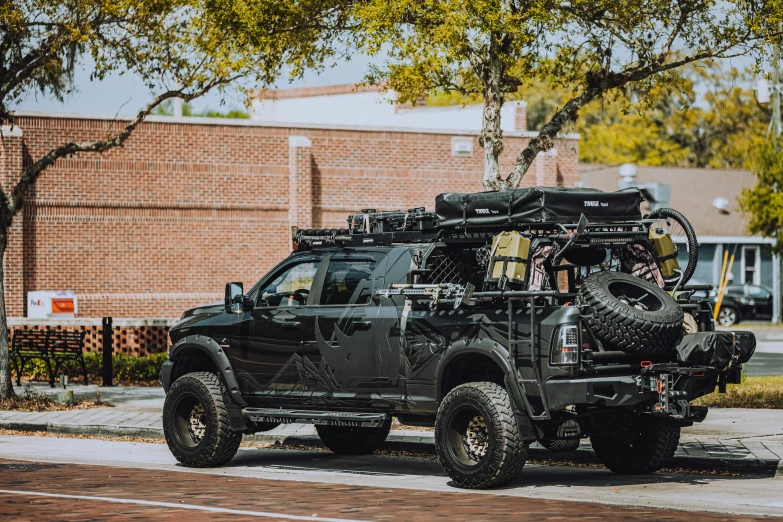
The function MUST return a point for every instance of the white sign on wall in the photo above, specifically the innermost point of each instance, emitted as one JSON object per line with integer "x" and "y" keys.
{"x": 58, "y": 304}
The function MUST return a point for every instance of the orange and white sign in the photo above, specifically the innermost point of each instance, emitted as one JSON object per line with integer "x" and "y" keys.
{"x": 61, "y": 304}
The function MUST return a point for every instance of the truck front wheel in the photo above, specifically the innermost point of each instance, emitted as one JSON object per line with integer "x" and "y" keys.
{"x": 195, "y": 421}
{"x": 477, "y": 437}
{"x": 646, "y": 447}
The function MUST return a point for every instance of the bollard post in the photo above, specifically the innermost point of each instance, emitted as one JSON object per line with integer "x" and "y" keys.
{"x": 108, "y": 349}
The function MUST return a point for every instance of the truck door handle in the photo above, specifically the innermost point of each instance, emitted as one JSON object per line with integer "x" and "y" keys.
{"x": 362, "y": 325}
{"x": 291, "y": 325}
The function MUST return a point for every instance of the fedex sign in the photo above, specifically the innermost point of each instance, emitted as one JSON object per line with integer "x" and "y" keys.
{"x": 51, "y": 305}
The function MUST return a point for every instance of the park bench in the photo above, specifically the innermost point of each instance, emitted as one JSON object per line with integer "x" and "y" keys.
{"x": 48, "y": 345}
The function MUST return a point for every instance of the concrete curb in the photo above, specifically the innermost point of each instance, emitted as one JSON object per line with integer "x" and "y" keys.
{"x": 767, "y": 467}
{"x": 98, "y": 430}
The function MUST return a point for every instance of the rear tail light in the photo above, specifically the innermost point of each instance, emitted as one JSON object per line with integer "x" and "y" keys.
{"x": 565, "y": 348}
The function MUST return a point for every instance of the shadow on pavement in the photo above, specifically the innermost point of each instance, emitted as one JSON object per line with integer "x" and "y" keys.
{"x": 394, "y": 465}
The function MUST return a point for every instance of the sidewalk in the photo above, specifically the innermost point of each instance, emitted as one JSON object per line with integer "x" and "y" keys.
{"x": 730, "y": 439}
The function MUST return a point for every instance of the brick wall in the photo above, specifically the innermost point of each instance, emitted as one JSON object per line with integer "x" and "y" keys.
{"x": 163, "y": 223}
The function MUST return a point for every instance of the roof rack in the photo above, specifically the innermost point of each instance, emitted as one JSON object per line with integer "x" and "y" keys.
{"x": 603, "y": 233}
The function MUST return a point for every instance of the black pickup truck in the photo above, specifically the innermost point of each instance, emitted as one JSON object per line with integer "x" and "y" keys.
{"x": 399, "y": 319}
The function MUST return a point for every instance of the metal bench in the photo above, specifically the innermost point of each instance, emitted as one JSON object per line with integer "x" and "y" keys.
{"x": 50, "y": 346}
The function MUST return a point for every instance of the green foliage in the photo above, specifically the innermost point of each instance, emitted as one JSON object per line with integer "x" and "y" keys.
{"x": 125, "y": 368}
{"x": 764, "y": 202}
{"x": 710, "y": 121}
{"x": 167, "y": 109}
{"x": 605, "y": 51}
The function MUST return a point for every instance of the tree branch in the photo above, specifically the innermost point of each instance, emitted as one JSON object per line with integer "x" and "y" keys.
{"x": 596, "y": 86}
{"x": 30, "y": 175}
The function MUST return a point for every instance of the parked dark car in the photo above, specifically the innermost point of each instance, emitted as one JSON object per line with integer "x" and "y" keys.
{"x": 740, "y": 302}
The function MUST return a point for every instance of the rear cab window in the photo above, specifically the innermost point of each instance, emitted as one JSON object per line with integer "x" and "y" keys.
{"x": 348, "y": 282}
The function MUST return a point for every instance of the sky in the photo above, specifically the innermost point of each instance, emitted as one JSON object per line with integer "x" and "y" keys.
{"x": 126, "y": 94}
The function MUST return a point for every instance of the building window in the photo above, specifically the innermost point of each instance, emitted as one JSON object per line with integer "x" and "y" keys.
{"x": 751, "y": 259}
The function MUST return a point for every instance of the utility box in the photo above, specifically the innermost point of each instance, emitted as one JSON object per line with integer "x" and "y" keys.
{"x": 60, "y": 304}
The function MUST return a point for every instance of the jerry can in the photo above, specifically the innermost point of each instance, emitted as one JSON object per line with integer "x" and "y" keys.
{"x": 666, "y": 251}
{"x": 508, "y": 257}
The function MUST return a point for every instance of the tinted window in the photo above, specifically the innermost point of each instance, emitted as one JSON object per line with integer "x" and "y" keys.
{"x": 291, "y": 286}
{"x": 348, "y": 282}
{"x": 735, "y": 291}
{"x": 757, "y": 291}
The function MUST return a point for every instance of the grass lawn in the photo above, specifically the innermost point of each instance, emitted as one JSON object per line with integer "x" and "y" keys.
{"x": 754, "y": 392}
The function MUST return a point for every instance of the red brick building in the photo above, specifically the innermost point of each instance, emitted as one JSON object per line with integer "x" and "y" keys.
{"x": 190, "y": 204}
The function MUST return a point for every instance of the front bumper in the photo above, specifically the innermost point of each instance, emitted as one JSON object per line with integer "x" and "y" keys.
{"x": 165, "y": 375}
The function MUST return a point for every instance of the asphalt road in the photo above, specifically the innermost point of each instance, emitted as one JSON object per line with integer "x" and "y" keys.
{"x": 60, "y": 478}
{"x": 768, "y": 359}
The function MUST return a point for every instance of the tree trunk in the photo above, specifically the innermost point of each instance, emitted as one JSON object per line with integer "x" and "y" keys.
{"x": 6, "y": 382}
{"x": 491, "y": 137}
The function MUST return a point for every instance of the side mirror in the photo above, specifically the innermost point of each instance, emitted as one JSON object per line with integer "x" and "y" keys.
{"x": 234, "y": 298}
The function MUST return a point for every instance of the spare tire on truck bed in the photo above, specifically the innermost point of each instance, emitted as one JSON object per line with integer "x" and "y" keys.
{"x": 631, "y": 314}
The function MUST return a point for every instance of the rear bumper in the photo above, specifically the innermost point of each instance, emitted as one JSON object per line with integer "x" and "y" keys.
{"x": 610, "y": 391}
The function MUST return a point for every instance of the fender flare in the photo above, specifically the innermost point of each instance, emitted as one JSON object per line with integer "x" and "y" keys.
{"x": 492, "y": 349}
{"x": 217, "y": 354}
{"x": 500, "y": 355}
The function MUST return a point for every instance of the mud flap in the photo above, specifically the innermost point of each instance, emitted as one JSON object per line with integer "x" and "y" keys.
{"x": 527, "y": 431}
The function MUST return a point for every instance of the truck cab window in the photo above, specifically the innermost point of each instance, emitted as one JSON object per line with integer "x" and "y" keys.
{"x": 291, "y": 287}
{"x": 348, "y": 282}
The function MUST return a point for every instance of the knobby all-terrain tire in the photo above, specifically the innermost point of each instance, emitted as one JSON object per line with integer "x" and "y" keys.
{"x": 506, "y": 452}
{"x": 219, "y": 443}
{"x": 346, "y": 440}
{"x": 625, "y": 327}
{"x": 647, "y": 447}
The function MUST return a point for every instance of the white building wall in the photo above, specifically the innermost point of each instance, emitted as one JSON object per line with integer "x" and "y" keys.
{"x": 374, "y": 109}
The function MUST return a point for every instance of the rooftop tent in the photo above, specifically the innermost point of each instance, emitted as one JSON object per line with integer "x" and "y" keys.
{"x": 536, "y": 205}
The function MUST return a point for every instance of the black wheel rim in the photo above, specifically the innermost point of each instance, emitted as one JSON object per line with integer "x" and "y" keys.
{"x": 467, "y": 437}
{"x": 190, "y": 421}
{"x": 635, "y": 296}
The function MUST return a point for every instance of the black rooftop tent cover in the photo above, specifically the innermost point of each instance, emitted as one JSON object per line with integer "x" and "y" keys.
{"x": 536, "y": 205}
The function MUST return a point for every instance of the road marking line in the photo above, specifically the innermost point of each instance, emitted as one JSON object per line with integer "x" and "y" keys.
{"x": 173, "y": 505}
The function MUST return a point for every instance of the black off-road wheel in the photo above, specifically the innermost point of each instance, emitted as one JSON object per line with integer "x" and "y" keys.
{"x": 195, "y": 421}
{"x": 648, "y": 446}
{"x": 345, "y": 440}
{"x": 477, "y": 437}
{"x": 631, "y": 314}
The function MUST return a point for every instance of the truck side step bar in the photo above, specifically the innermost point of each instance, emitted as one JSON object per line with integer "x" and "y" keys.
{"x": 324, "y": 418}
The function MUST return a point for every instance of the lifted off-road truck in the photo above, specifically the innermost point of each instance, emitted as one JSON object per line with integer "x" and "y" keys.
{"x": 502, "y": 318}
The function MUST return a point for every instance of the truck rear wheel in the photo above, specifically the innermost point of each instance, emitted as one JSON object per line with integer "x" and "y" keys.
{"x": 195, "y": 421}
{"x": 477, "y": 437}
{"x": 646, "y": 447}
{"x": 345, "y": 440}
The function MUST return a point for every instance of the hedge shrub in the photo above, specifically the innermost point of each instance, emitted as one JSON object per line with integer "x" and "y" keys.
{"x": 125, "y": 368}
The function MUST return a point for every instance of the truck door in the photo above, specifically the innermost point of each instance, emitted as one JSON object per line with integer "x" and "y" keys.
{"x": 339, "y": 353}
{"x": 268, "y": 339}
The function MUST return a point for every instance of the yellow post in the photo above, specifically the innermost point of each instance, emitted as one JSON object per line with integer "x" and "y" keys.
{"x": 723, "y": 287}
{"x": 720, "y": 285}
